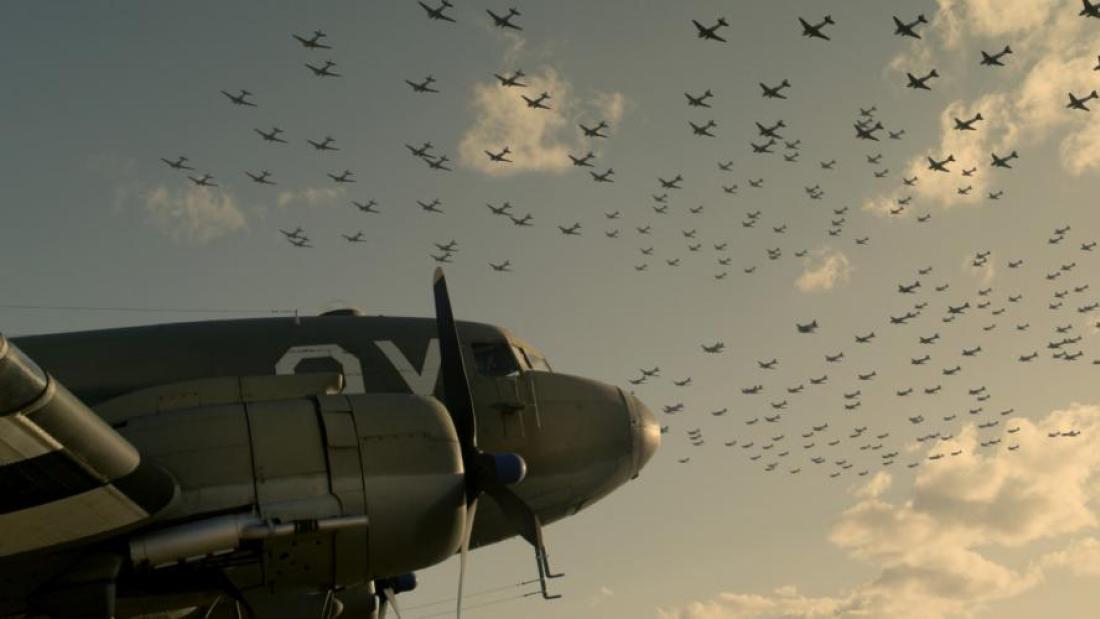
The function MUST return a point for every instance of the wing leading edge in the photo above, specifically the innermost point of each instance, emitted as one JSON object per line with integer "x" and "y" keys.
{"x": 66, "y": 475}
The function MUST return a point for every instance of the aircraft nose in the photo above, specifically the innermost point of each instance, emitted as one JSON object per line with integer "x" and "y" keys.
{"x": 645, "y": 429}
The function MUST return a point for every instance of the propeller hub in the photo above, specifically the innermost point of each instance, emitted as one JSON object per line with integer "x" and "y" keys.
{"x": 508, "y": 468}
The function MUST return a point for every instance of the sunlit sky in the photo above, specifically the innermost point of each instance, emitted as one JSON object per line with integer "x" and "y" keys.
{"x": 97, "y": 95}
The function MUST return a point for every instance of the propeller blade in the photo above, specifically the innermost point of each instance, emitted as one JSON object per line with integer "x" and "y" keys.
{"x": 518, "y": 512}
{"x": 390, "y": 597}
{"x": 382, "y": 605}
{"x": 456, "y": 386}
{"x": 471, "y": 512}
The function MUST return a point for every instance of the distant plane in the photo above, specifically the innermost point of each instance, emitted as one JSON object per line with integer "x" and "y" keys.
{"x": 345, "y": 177}
{"x": 594, "y": 132}
{"x": 433, "y": 207}
{"x": 940, "y": 166}
{"x": 312, "y": 42}
{"x": 505, "y": 21}
{"x": 261, "y": 178}
{"x": 500, "y": 157}
{"x": 1076, "y": 103}
{"x": 921, "y": 83}
{"x": 438, "y": 13}
{"x": 1002, "y": 162}
{"x": 673, "y": 183}
{"x": 1089, "y": 9}
{"x": 325, "y": 144}
{"x": 203, "y": 181}
{"x": 710, "y": 33}
{"x": 503, "y": 267}
{"x": 775, "y": 92}
{"x": 242, "y": 98}
{"x": 424, "y": 86}
{"x": 583, "y": 161}
{"x": 422, "y": 151}
{"x": 354, "y": 238}
{"x": 323, "y": 70}
{"x": 994, "y": 60}
{"x": 701, "y": 100}
{"x": 179, "y": 164}
{"x": 573, "y": 230}
{"x": 814, "y": 31}
{"x": 605, "y": 177}
{"x": 512, "y": 80}
{"x": 537, "y": 103}
{"x": 367, "y": 207}
{"x": 272, "y": 136}
{"x": 704, "y": 129}
{"x": 967, "y": 125}
{"x": 809, "y": 327}
{"x": 909, "y": 30}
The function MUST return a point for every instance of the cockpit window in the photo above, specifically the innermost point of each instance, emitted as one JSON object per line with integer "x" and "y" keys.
{"x": 494, "y": 359}
{"x": 536, "y": 361}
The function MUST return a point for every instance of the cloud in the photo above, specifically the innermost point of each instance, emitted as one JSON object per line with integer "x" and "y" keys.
{"x": 193, "y": 214}
{"x": 1052, "y": 49}
{"x": 539, "y": 140}
{"x": 823, "y": 271}
{"x": 929, "y": 547}
{"x": 310, "y": 197}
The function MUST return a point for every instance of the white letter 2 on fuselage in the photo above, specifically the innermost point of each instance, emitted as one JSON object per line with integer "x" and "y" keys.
{"x": 420, "y": 383}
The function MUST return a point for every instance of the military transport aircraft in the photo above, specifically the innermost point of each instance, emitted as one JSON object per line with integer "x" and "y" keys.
{"x": 511, "y": 80}
{"x": 909, "y": 29}
{"x": 287, "y": 467}
{"x": 710, "y": 33}
{"x": 314, "y": 41}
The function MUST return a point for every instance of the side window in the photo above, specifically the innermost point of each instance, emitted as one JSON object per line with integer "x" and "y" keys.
{"x": 536, "y": 361}
{"x": 494, "y": 359}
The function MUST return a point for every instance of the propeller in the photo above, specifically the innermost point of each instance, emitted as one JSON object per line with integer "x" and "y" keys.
{"x": 486, "y": 473}
{"x": 388, "y": 588}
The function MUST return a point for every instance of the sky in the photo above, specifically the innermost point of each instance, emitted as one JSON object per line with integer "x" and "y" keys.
{"x": 95, "y": 219}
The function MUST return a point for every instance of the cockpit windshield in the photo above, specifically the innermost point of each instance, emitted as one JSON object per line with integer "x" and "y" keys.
{"x": 535, "y": 360}
{"x": 495, "y": 359}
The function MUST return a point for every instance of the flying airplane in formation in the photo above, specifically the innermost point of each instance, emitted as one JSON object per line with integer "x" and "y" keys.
{"x": 261, "y": 178}
{"x": 814, "y": 30}
{"x": 203, "y": 181}
{"x": 271, "y": 136}
{"x": 314, "y": 41}
{"x": 967, "y": 125}
{"x": 354, "y": 238}
{"x": 179, "y": 164}
{"x": 366, "y": 207}
{"x": 994, "y": 60}
{"x": 1002, "y": 162}
{"x": 512, "y": 80}
{"x": 505, "y": 21}
{"x": 537, "y": 102}
{"x": 775, "y": 92}
{"x": 705, "y": 32}
{"x": 940, "y": 166}
{"x": 921, "y": 83}
{"x": 1089, "y": 9}
{"x": 326, "y": 144}
{"x": 241, "y": 98}
{"x": 424, "y": 86}
{"x": 701, "y": 100}
{"x": 438, "y": 12}
{"x": 344, "y": 177}
{"x": 704, "y": 129}
{"x": 323, "y": 70}
{"x": 500, "y": 157}
{"x": 583, "y": 161}
{"x": 594, "y": 132}
{"x": 292, "y": 512}
{"x": 1076, "y": 103}
{"x": 909, "y": 29}
{"x": 603, "y": 178}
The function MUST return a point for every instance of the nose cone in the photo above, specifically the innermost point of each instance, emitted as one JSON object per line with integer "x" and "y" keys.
{"x": 646, "y": 432}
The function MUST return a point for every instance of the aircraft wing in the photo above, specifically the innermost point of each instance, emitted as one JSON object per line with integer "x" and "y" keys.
{"x": 65, "y": 474}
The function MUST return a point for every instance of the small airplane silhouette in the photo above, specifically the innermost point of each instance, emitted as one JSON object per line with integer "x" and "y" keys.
{"x": 314, "y": 41}
{"x": 424, "y": 86}
{"x": 422, "y": 151}
{"x": 325, "y": 144}
{"x": 940, "y": 166}
{"x": 967, "y": 125}
{"x": 512, "y": 80}
{"x": 814, "y": 30}
{"x": 1089, "y": 9}
{"x": 583, "y": 161}
{"x": 701, "y": 100}
{"x": 704, "y": 129}
{"x": 500, "y": 157}
{"x": 573, "y": 230}
{"x": 179, "y": 164}
{"x": 921, "y": 83}
{"x": 1076, "y": 103}
{"x": 994, "y": 60}
{"x": 367, "y": 207}
{"x": 1002, "y": 162}
{"x": 537, "y": 103}
{"x": 241, "y": 98}
{"x": 605, "y": 177}
{"x": 433, "y": 207}
{"x": 203, "y": 181}
{"x": 710, "y": 33}
{"x": 909, "y": 29}
{"x": 438, "y": 12}
{"x": 323, "y": 70}
{"x": 505, "y": 21}
{"x": 775, "y": 92}
{"x": 354, "y": 238}
{"x": 345, "y": 177}
{"x": 271, "y": 136}
{"x": 261, "y": 178}
{"x": 673, "y": 183}
{"x": 594, "y": 132}
{"x": 503, "y": 267}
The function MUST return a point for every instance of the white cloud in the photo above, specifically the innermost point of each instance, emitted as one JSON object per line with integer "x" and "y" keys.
{"x": 928, "y": 547}
{"x": 823, "y": 271}
{"x": 193, "y": 214}
{"x": 310, "y": 197}
{"x": 539, "y": 140}
{"x": 1053, "y": 50}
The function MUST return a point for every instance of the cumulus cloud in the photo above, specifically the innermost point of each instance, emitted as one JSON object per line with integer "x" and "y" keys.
{"x": 310, "y": 197}
{"x": 824, "y": 270}
{"x": 1053, "y": 50}
{"x": 538, "y": 140}
{"x": 193, "y": 214}
{"x": 930, "y": 547}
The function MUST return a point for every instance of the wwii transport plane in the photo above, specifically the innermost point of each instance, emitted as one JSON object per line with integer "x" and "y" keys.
{"x": 287, "y": 467}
